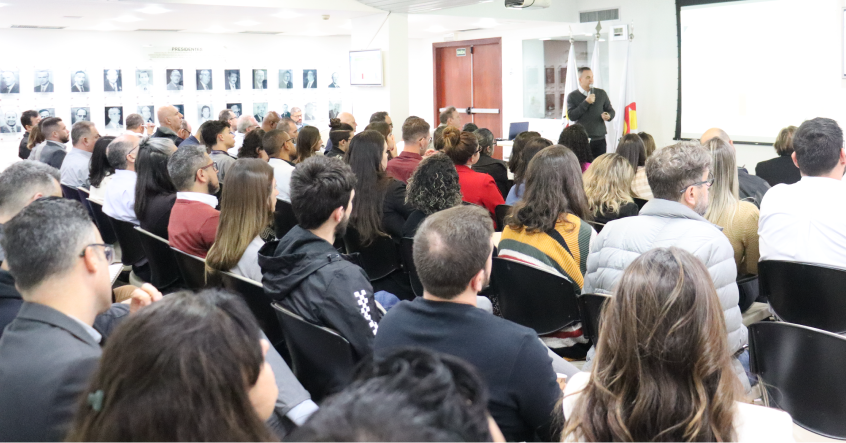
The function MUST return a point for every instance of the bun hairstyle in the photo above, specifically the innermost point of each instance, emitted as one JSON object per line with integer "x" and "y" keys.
{"x": 339, "y": 131}
{"x": 459, "y": 146}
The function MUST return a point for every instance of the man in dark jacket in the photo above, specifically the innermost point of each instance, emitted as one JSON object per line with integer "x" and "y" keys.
{"x": 29, "y": 119}
{"x": 751, "y": 188}
{"x": 305, "y": 273}
{"x": 170, "y": 122}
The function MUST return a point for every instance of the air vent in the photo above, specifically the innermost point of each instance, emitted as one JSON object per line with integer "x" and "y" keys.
{"x": 595, "y": 16}
{"x": 159, "y": 30}
{"x": 37, "y": 27}
{"x": 260, "y": 32}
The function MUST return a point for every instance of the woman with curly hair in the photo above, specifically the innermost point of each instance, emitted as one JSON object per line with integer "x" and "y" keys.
{"x": 433, "y": 187}
{"x": 576, "y": 138}
{"x": 252, "y": 147}
{"x": 608, "y": 186}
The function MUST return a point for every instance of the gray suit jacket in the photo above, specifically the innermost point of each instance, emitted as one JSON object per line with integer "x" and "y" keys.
{"x": 53, "y": 154}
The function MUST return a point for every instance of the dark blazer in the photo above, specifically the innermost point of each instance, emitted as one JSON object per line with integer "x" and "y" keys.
{"x": 414, "y": 220}
{"x": 15, "y": 89}
{"x": 53, "y": 154}
{"x": 626, "y": 210}
{"x": 49, "y": 88}
{"x": 160, "y": 134}
{"x": 76, "y": 88}
{"x": 108, "y": 88}
{"x": 157, "y": 216}
{"x": 496, "y": 169}
{"x": 752, "y": 188}
{"x": 778, "y": 170}
{"x": 237, "y": 84}
{"x": 23, "y": 151}
{"x": 395, "y": 211}
{"x": 10, "y": 300}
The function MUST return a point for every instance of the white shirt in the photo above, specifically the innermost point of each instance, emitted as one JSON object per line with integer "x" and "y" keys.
{"x": 239, "y": 141}
{"x": 137, "y": 134}
{"x": 74, "y": 168}
{"x": 120, "y": 197}
{"x": 804, "y": 222}
{"x": 91, "y": 331}
{"x": 248, "y": 266}
{"x": 282, "y": 172}
{"x": 198, "y": 197}
{"x": 98, "y": 194}
{"x": 751, "y": 423}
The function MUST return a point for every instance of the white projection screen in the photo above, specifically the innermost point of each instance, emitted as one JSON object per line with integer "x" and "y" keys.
{"x": 753, "y": 67}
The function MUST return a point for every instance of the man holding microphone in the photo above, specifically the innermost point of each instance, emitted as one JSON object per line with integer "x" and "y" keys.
{"x": 590, "y": 107}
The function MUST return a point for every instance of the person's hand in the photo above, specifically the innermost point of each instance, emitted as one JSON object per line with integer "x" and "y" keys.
{"x": 591, "y": 98}
{"x": 151, "y": 128}
{"x": 562, "y": 381}
{"x": 143, "y": 296}
{"x": 606, "y": 116}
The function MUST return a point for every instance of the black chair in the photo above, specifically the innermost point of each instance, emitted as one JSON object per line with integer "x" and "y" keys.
{"x": 83, "y": 198}
{"x": 534, "y": 298}
{"x": 163, "y": 268}
{"x": 640, "y": 202}
{"x": 804, "y": 293}
{"x": 378, "y": 259}
{"x": 590, "y": 307}
{"x": 800, "y": 368}
{"x": 192, "y": 269}
{"x": 321, "y": 359}
{"x": 407, "y": 255}
{"x": 283, "y": 218}
{"x": 69, "y": 192}
{"x": 259, "y": 302}
{"x": 131, "y": 250}
{"x": 597, "y": 226}
{"x": 102, "y": 221}
{"x": 500, "y": 212}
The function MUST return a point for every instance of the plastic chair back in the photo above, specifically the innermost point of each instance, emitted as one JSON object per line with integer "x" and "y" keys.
{"x": 102, "y": 221}
{"x": 192, "y": 269}
{"x": 640, "y": 202}
{"x": 590, "y": 306}
{"x": 407, "y": 255}
{"x": 321, "y": 359}
{"x": 800, "y": 366}
{"x": 805, "y": 294}
{"x": 163, "y": 267}
{"x": 130, "y": 242}
{"x": 283, "y": 218}
{"x": 258, "y": 301}
{"x": 69, "y": 192}
{"x": 534, "y": 298}
{"x": 500, "y": 212}
{"x": 378, "y": 259}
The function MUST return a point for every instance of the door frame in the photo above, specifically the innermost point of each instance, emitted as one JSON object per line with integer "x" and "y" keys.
{"x": 439, "y": 45}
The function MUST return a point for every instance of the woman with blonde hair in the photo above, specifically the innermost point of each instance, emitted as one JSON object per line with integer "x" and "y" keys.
{"x": 648, "y": 143}
{"x": 663, "y": 367}
{"x": 781, "y": 169}
{"x": 608, "y": 186}
{"x": 246, "y": 209}
{"x": 632, "y": 148}
{"x": 739, "y": 219}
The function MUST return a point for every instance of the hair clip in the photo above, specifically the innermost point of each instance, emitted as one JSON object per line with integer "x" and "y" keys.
{"x": 95, "y": 400}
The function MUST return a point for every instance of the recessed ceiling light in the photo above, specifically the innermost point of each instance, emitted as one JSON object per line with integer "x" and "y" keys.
{"x": 153, "y": 9}
{"x": 215, "y": 29}
{"x": 128, "y": 19}
{"x": 246, "y": 23}
{"x": 287, "y": 14}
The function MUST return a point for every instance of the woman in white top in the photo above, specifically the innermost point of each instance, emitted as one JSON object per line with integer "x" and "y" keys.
{"x": 662, "y": 370}
{"x": 246, "y": 209}
{"x": 99, "y": 171}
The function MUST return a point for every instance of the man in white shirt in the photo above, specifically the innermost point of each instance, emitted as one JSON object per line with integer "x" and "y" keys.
{"x": 246, "y": 124}
{"x": 806, "y": 221}
{"x": 120, "y": 194}
{"x": 280, "y": 148}
{"x": 75, "y": 165}
{"x": 135, "y": 126}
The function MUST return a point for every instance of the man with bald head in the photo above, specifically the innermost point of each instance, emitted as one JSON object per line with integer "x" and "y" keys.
{"x": 752, "y": 187}
{"x": 119, "y": 202}
{"x": 270, "y": 121}
{"x": 170, "y": 122}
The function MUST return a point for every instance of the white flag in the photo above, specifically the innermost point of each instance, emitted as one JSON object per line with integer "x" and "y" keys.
{"x": 572, "y": 81}
{"x": 625, "y": 122}
{"x": 594, "y": 66}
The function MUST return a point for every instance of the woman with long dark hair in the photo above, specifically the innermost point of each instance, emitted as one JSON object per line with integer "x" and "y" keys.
{"x": 517, "y": 146}
{"x": 99, "y": 170}
{"x": 576, "y": 138}
{"x": 662, "y": 370}
{"x": 308, "y": 142}
{"x": 155, "y": 193}
{"x": 340, "y": 135}
{"x": 532, "y": 147}
{"x": 477, "y": 188}
{"x": 632, "y": 148}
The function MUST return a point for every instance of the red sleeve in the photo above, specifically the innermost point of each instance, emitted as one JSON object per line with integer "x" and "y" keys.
{"x": 492, "y": 197}
{"x": 209, "y": 230}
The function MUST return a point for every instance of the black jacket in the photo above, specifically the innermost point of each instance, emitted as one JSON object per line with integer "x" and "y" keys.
{"x": 161, "y": 134}
{"x": 157, "y": 215}
{"x": 10, "y": 300}
{"x": 310, "y": 278}
{"x": 778, "y": 170}
{"x": 395, "y": 210}
{"x": 23, "y": 151}
{"x": 626, "y": 210}
{"x": 496, "y": 169}
{"x": 752, "y": 188}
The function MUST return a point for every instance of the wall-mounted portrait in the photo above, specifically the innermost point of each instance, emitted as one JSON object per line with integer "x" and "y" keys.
{"x": 235, "y": 108}
{"x": 112, "y": 80}
{"x": 10, "y": 123}
{"x": 259, "y": 78}
{"x": 204, "y": 79}
{"x": 334, "y": 109}
{"x": 81, "y": 114}
{"x": 47, "y": 113}
{"x": 144, "y": 80}
{"x": 335, "y": 83}
{"x": 146, "y": 111}
{"x": 309, "y": 78}
{"x": 284, "y": 112}
{"x": 43, "y": 80}
{"x": 259, "y": 111}
{"x": 174, "y": 80}
{"x": 233, "y": 79}
{"x": 205, "y": 113}
{"x": 80, "y": 82}
{"x": 114, "y": 117}
{"x": 310, "y": 113}
{"x": 10, "y": 81}
{"x": 286, "y": 79}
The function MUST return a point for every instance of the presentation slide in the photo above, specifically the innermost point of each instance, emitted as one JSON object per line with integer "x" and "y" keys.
{"x": 753, "y": 67}
{"x": 366, "y": 68}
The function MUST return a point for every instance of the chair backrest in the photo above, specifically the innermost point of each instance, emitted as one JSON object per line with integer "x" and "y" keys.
{"x": 259, "y": 302}
{"x": 590, "y": 307}
{"x": 534, "y": 298}
{"x": 283, "y": 218}
{"x": 69, "y": 192}
{"x": 804, "y": 293}
{"x": 378, "y": 259}
{"x": 597, "y": 226}
{"x": 163, "y": 267}
{"x": 500, "y": 212}
{"x": 131, "y": 251}
{"x": 639, "y": 202}
{"x": 799, "y": 367}
{"x": 82, "y": 196}
{"x": 321, "y": 359}
{"x": 407, "y": 255}
{"x": 102, "y": 221}
{"x": 192, "y": 269}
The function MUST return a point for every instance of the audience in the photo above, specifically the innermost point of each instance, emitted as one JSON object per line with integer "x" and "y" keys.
{"x": 193, "y": 220}
{"x": 36, "y": 141}
{"x": 308, "y": 143}
{"x": 282, "y": 152}
{"x": 781, "y": 169}
{"x": 663, "y": 370}
{"x": 252, "y": 148}
{"x": 514, "y": 161}
{"x": 29, "y": 120}
{"x": 304, "y": 262}
{"x": 184, "y": 131}
{"x": 452, "y": 254}
{"x": 228, "y": 117}
{"x": 56, "y": 134}
{"x": 246, "y": 209}
{"x": 246, "y": 124}
{"x": 339, "y": 136}
{"x": 75, "y": 165}
{"x": 751, "y": 188}
{"x": 270, "y": 121}
{"x": 648, "y": 143}
{"x": 450, "y": 117}
{"x": 218, "y": 140}
{"x": 119, "y": 201}
{"x": 680, "y": 177}
{"x": 100, "y": 172}
{"x": 632, "y": 149}
{"x": 297, "y": 116}
{"x": 608, "y": 187}
{"x": 349, "y": 119}
{"x": 170, "y": 123}
{"x": 135, "y": 125}
{"x": 738, "y": 219}
{"x": 154, "y": 191}
{"x": 497, "y": 169}
{"x": 290, "y": 126}
{"x": 575, "y": 137}
{"x": 476, "y": 187}
{"x": 195, "y": 139}
{"x": 344, "y": 120}
{"x": 469, "y": 127}
{"x": 387, "y": 131}
{"x": 433, "y": 187}
{"x": 438, "y": 139}
{"x": 805, "y": 222}
{"x": 381, "y": 116}
{"x": 416, "y": 139}
{"x": 533, "y": 146}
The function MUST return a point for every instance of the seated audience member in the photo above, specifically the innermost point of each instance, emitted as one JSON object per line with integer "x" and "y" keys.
{"x": 282, "y": 152}
{"x": 804, "y": 222}
{"x": 304, "y": 262}
{"x": 56, "y": 134}
{"x": 415, "y": 137}
{"x": 450, "y": 117}
{"x": 196, "y": 138}
{"x": 154, "y": 191}
{"x": 29, "y": 120}
{"x": 49, "y": 351}
{"x": 680, "y": 177}
{"x": 752, "y": 188}
{"x": 340, "y": 135}
{"x": 193, "y": 219}
{"x": 575, "y": 137}
{"x": 270, "y": 121}
{"x": 252, "y": 148}
{"x": 469, "y": 127}
{"x": 290, "y": 126}
{"x": 246, "y": 209}
{"x": 387, "y": 131}
{"x": 75, "y": 166}
{"x": 409, "y": 395}
{"x": 608, "y": 187}
{"x": 438, "y": 139}
{"x": 476, "y": 187}
{"x": 433, "y": 187}
{"x": 738, "y": 219}
{"x": 246, "y": 124}
{"x": 663, "y": 370}
{"x": 632, "y": 149}
{"x": 184, "y": 131}
{"x": 100, "y": 172}
{"x": 228, "y": 117}
{"x": 36, "y": 142}
{"x": 497, "y": 169}
{"x": 221, "y": 368}
{"x": 532, "y": 147}
{"x": 452, "y": 254}
{"x": 517, "y": 147}
{"x": 547, "y": 229}
{"x": 648, "y": 143}
{"x": 170, "y": 123}
{"x": 119, "y": 201}
{"x": 381, "y": 116}
{"x": 781, "y": 169}
{"x": 219, "y": 139}
{"x": 308, "y": 143}
{"x": 135, "y": 126}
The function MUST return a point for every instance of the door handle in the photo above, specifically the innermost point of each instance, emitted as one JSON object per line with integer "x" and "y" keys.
{"x": 482, "y": 111}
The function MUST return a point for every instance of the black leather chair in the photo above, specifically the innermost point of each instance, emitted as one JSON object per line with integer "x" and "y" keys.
{"x": 804, "y": 293}
{"x": 321, "y": 359}
{"x": 163, "y": 268}
{"x": 259, "y": 302}
{"x": 640, "y": 202}
{"x": 102, "y": 221}
{"x": 69, "y": 192}
{"x": 500, "y": 212}
{"x": 192, "y": 269}
{"x": 590, "y": 307}
{"x": 83, "y": 198}
{"x": 800, "y": 367}
{"x": 283, "y": 218}
{"x": 130, "y": 242}
{"x": 534, "y": 298}
{"x": 378, "y": 259}
{"x": 407, "y": 255}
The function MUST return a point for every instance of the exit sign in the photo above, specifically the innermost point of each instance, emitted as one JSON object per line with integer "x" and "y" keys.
{"x": 461, "y": 52}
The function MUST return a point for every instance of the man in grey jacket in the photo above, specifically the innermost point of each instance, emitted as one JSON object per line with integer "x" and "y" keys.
{"x": 679, "y": 176}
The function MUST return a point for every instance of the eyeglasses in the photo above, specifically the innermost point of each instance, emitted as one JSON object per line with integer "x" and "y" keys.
{"x": 707, "y": 183}
{"x": 212, "y": 165}
{"x": 107, "y": 249}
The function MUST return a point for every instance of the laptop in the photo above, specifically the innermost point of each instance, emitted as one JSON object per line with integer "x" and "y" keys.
{"x": 517, "y": 128}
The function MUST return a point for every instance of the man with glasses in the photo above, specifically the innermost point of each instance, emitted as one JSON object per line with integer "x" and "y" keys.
{"x": 281, "y": 149}
{"x": 680, "y": 178}
{"x": 170, "y": 123}
{"x": 119, "y": 202}
{"x": 193, "y": 219}
{"x": 416, "y": 138}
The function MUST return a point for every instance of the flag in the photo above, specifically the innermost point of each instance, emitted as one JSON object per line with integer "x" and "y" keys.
{"x": 626, "y": 119}
{"x": 571, "y": 83}
{"x": 594, "y": 66}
